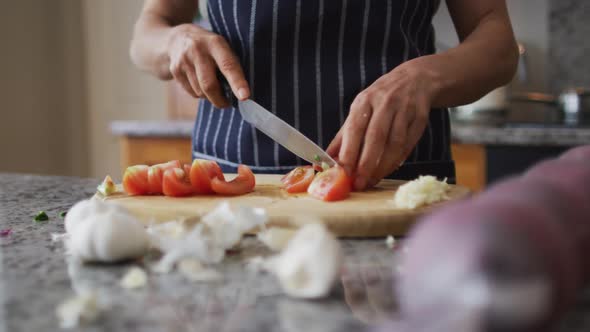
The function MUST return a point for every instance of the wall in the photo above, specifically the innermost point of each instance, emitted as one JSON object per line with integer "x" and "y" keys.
{"x": 531, "y": 26}
{"x": 116, "y": 90}
{"x": 42, "y": 125}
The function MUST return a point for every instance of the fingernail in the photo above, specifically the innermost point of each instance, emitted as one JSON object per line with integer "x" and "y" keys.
{"x": 242, "y": 93}
{"x": 360, "y": 183}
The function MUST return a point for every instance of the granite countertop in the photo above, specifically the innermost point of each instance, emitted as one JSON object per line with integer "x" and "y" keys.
{"x": 35, "y": 277}
{"x": 466, "y": 134}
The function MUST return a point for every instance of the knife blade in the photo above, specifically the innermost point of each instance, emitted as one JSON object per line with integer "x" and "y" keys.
{"x": 282, "y": 133}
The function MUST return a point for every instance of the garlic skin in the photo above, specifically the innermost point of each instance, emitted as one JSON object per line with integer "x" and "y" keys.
{"x": 82, "y": 308}
{"x": 218, "y": 231}
{"x": 310, "y": 264}
{"x": 104, "y": 232}
{"x": 275, "y": 238}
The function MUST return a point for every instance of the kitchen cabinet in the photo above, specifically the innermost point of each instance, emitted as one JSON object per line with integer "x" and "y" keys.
{"x": 154, "y": 150}
{"x": 470, "y": 165}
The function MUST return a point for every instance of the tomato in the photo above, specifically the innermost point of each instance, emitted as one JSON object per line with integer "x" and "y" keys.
{"x": 176, "y": 183}
{"x": 330, "y": 185}
{"x": 298, "y": 180}
{"x": 202, "y": 172}
{"x": 135, "y": 180}
{"x": 156, "y": 175}
{"x": 187, "y": 168}
{"x": 169, "y": 165}
{"x": 155, "y": 178}
{"x": 242, "y": 184}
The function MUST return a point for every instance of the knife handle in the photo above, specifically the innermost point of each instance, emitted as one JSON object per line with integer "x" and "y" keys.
{"x": 226, "y": 90}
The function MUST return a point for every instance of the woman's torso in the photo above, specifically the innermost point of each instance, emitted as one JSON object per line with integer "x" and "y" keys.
{"x": 306, "y": 60}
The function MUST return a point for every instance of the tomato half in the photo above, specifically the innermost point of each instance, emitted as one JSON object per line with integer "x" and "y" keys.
{"x": 331, "y": 185}
{"x": 202, "y": 172}
{"x": 176, "y": 183}
{"x": 241, "y": 184}
{"x": 298, "y": 180}
{"x": 135, "y": 180}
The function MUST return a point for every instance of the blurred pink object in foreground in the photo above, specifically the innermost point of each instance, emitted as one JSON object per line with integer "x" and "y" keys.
{"x": 510, "y": 259}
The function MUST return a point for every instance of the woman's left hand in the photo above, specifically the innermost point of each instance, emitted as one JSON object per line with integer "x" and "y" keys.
{"x": 385, "y": 122}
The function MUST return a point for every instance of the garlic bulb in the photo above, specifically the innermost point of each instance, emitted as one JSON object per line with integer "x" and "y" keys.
{"x": 104, "y": 232}
{"x": 309, "y": 265}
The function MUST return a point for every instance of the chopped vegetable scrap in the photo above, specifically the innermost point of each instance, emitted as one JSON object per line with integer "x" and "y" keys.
{"x": 5, "y": 232}
{"x": 390, "y": 242}
{"x": 134, "y": 278}
{"x": 41, "y": 216}
{"x": 79, "y": 309}
{"x": 63, "y": 214}
{"x": 107, "y": 187}
{"x": 422, "y": 191}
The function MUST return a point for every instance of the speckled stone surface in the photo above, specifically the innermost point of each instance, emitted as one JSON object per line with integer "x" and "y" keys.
{"x": 467, "y": 134}
{"x": 35, "y": 277}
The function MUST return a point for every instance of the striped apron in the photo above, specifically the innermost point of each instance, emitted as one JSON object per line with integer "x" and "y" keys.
{"x": 305, "y": 61}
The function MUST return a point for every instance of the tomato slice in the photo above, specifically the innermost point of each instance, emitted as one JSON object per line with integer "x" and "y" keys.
{"x": 169, "y": 165}
{"x": 201, "y": 173}
{"x": 156, "y": 175}
{"x": 155, "y": 178}
{"x": 241, "y": 184}
{"x": 331, "y": 185}
{"x": 176, "y": 183}
{"x": 298, "y": 180}
{"x": 135, "y": 180}
{"x": 187, "y": 168}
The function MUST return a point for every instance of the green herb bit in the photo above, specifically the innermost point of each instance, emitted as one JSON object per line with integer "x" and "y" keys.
{"x": 325, "y": 166}
{"x": 62, "y": 214}
{"x": 41, "y": 216}
{"x": 317, "y": 158}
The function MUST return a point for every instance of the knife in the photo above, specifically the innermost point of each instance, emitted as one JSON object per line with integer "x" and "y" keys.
{"x": 280, "y": 131}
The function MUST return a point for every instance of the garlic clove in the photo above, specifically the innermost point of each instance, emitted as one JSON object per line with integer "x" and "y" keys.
{"x": 309, "y": 265}
{"x": 106, "y": 233}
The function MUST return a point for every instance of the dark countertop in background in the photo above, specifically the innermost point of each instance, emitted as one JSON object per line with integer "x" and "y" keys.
{"x": 465, "y": 134}
{"x": 35, "y": 278}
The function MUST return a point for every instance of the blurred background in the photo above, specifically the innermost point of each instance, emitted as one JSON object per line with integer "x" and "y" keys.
{"x": 67, "y": 77}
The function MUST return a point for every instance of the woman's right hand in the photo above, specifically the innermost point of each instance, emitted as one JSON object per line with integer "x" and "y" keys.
{"x": 195, "y": 54}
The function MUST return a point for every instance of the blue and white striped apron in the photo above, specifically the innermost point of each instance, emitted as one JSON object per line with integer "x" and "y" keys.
{"x": 306, "y": 60}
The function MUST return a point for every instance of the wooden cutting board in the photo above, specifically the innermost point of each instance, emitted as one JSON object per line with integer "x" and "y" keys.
{"x": 363, "y": 214}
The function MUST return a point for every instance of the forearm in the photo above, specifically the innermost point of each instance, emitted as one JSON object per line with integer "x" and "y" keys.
{"x": 151, "y": 35}
{"x": 149, "y": 46}
{"x": 486, "y": 59}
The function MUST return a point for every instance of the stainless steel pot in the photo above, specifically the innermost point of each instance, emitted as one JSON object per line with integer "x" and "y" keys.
{"x": 573, "y": 103}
